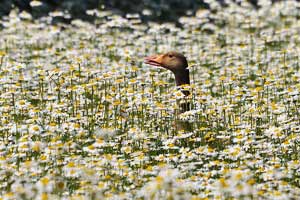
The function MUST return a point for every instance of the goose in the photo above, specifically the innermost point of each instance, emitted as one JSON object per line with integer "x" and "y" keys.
{"x": 178, "y": 65}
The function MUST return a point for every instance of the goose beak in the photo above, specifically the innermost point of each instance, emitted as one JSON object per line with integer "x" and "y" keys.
{"x": 154, "y": 60}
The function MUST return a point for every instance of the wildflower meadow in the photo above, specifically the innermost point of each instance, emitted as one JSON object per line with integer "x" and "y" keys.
{"x": 83, "y": 117}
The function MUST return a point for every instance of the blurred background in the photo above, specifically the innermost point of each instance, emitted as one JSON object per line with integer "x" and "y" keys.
{"x": 154, "y": 10}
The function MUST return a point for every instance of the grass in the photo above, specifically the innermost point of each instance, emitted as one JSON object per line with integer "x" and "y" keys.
{"x": 84, "y": 118}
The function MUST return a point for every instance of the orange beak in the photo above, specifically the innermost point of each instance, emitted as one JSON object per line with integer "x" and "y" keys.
{"x": 154, "y": 60}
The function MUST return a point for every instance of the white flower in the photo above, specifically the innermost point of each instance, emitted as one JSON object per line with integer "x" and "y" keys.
{"x": 274, "y": 132}
{"x": 22, "y": 104}
{"x": 45, "y": 185}
{"x": 92, "y": 12}
{"x": 35, "y": 129}
{"x": 35, "y": 3}
{"x": 25, "y": 15}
